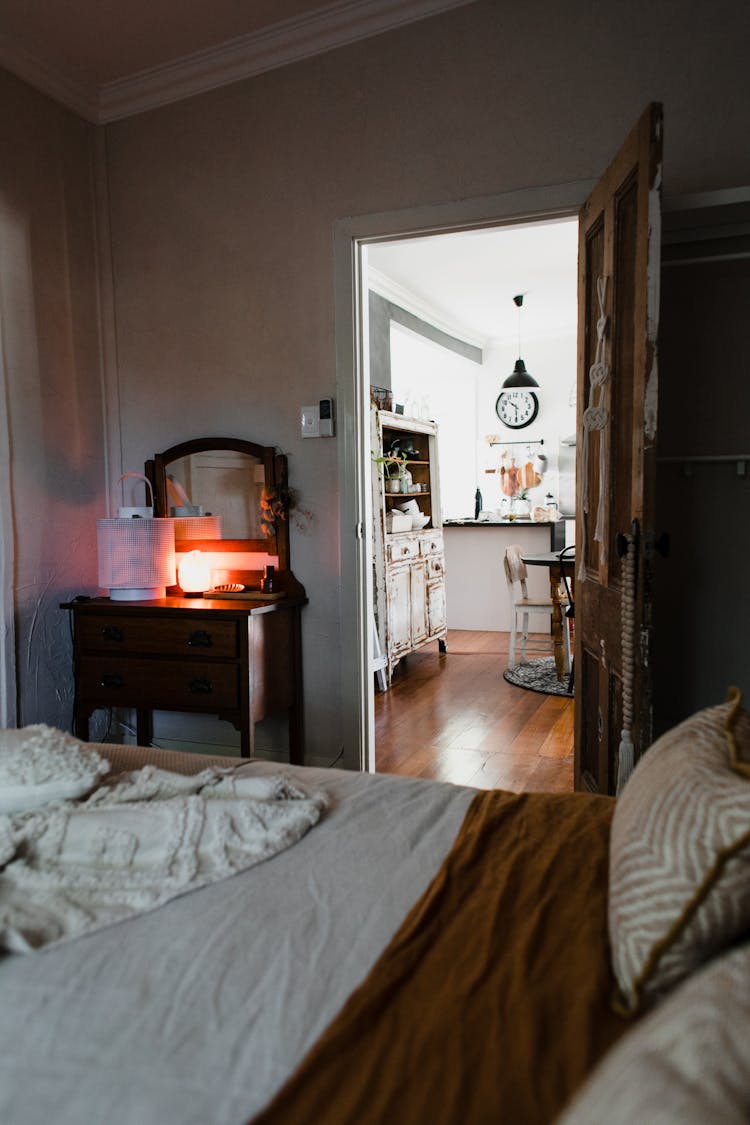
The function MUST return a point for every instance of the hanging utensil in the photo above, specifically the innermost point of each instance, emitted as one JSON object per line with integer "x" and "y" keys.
{"x": 512, "y": 478}
{"x": 528, "y": 476}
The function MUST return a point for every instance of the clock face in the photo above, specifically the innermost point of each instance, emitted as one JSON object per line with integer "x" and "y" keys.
{"x": 517, "y": 408}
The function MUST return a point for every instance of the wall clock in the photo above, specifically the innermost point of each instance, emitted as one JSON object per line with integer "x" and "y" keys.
{"x": 517, "y": 409}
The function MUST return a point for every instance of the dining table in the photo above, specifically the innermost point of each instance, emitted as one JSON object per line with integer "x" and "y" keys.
{"x": 558, "y": 563}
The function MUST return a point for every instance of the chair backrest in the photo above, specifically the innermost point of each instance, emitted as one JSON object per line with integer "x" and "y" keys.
{"x": 515, "y": 570}
{"x": 571, "y": 610}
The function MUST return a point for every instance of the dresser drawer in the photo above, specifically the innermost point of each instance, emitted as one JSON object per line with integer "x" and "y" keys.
{"x": 172, "y": 635}
{"x": 431, "y": 544}
{"x": 401, "y": 548}
{"x": 112, "y": 681}
{"x": 435, "y": 565}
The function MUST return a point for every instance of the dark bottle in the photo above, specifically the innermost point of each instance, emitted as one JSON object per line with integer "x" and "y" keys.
{"x": 477, "y": 504}
{"x": 267, "y": 582}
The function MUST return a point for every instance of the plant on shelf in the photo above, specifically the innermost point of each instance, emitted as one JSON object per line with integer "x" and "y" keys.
{"x": 400, "y": 463}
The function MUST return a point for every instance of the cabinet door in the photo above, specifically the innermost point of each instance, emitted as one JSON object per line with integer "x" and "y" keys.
{"x": 399, "y": 609}
{"x": 418, "y": 602}
{"x": 436, "y": 620}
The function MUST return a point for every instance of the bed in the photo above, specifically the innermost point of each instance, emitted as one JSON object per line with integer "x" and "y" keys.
{"x": 425, "y": 952}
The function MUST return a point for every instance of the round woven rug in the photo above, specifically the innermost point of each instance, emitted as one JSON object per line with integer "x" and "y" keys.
{"x": 538, "y": 675}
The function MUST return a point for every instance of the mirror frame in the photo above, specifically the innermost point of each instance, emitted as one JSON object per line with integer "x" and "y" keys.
{"x": 276, "y": 484}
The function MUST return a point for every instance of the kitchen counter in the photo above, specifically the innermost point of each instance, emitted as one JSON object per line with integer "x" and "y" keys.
{"x": 476, "y": 594}
{"x": 556, "y": 527}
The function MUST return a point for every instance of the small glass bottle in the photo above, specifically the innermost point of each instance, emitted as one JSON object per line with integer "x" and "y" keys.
{"x": 268, "y": 580}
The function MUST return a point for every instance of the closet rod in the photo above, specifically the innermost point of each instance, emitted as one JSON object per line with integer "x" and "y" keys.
{"x": 690, "y": 459}
{"x": 705, "y": 457}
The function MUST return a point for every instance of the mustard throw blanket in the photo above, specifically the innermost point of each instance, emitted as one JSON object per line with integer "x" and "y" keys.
{"x": 492, "y": 1002}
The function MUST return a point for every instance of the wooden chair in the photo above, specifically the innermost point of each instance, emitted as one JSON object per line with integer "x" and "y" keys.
{"x": 570, "y": 614}
{"x": 521, "y": 608}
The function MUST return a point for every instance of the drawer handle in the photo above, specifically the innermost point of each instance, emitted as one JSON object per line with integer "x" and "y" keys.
{"x": 404, "y": 550}
{"x": 201, "y": 685}
{"x": 200, "y": 639}
{"x": 110, "y": 679}
{"x": 112, "y": 633}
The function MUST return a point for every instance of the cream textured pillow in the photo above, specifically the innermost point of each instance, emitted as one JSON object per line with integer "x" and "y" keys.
{"x": 39, "y": 764}
{"x": 679, "y": 887}
{"x": 687, "y": 1062}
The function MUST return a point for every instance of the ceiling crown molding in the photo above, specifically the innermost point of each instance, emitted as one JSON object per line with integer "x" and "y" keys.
{"x": 82, "y": 99}
{"x": 288, "y": 41}
{"x": 396, "y": 293}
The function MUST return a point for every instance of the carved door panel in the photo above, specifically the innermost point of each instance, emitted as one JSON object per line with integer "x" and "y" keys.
{"x": 399, "y": 609}
{"x": 418, "y": 602}
{"x": 436, "y": 620}
{"x": 618, "y": 304}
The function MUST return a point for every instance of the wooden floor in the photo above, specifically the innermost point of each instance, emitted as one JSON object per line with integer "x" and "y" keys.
{"x": 453, "y": 717}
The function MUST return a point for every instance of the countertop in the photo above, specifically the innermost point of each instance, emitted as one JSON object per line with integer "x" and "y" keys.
{"x": 468, "y": 522}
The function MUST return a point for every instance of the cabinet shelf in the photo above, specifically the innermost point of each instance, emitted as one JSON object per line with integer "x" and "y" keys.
{"x": 408, "y": 495}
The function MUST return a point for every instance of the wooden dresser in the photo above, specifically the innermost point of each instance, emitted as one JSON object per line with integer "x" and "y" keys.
{"x": 238, "y": 660}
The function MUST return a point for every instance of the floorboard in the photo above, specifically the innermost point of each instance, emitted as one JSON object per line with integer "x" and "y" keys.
{"x": 451, "y": 716}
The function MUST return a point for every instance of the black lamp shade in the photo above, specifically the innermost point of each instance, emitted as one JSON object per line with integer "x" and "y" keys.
{"x": 519, "y": 379}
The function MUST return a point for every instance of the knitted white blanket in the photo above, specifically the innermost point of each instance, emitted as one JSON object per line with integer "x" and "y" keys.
{"x": 73, "y": 867}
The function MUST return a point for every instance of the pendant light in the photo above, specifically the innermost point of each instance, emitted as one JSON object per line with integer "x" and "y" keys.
{"x": 519, "y": 379}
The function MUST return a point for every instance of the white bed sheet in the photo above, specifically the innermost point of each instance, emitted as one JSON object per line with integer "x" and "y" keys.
{"x": 197, "y": 1012}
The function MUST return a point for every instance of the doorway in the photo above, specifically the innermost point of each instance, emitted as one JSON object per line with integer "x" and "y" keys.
{"x": 353, "y": 239}
{"x": 445, "y": 329}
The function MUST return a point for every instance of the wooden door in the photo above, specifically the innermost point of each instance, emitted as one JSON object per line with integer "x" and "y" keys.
{"x": 618, "y": 279}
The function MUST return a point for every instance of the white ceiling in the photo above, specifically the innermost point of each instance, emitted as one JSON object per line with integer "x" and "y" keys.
{"x": 107, "y": 59}
{"x": 465, "y": 282}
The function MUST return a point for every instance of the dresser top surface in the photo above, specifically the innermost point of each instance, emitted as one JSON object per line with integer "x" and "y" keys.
{"x": 177, "y": 606}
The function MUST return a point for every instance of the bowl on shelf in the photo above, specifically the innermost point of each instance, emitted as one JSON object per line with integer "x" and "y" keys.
{"x": 411, "y": 507}
{"x": 419, "y": 521}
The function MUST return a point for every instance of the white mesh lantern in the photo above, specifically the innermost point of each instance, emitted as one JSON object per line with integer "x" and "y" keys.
{"x": 136, "y": 555}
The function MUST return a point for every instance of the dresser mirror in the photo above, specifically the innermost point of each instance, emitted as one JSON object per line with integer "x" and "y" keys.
{"x": 230, "y": 490}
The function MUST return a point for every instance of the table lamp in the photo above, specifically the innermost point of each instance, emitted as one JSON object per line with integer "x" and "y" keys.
{"x": 136, "y": 557}
{"x": 136, "y": 552}
{"x": 194, "y": 574}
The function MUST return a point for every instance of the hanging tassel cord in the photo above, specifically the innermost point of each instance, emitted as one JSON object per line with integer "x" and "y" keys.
{"x": 595, "y": 417}
{"x": 626, "y": 750}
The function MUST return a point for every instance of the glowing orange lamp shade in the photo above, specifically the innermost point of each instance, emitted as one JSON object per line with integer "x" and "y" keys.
{"x": 194, "y": 574}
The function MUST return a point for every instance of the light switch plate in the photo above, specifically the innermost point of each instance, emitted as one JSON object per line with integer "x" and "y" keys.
{"x": 310, "y": 421}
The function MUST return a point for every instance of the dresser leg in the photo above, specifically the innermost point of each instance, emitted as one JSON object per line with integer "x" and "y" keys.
{"x": 144, "y": 727}
{"x": 247, "y": 738}
{"x": 296, "y": 735}
{"x": 81, "y": 725}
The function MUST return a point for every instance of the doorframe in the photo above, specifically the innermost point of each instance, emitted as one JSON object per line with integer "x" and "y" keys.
{"x": 351, "y": 237}
{"x": 8, "y": 690}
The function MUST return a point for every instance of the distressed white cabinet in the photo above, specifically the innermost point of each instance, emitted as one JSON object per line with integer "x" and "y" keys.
{"x": 409, "y": 566}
